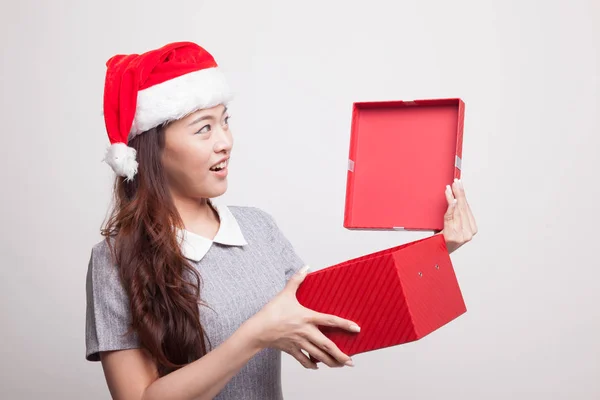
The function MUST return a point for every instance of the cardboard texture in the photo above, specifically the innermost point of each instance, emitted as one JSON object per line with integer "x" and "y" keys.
{"x": 396, "y": 296}
{"x": 402, "y": 155}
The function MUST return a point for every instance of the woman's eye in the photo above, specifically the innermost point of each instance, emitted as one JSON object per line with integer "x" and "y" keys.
{"x": 205, "y": 129}
{"x": 226, "y": 120}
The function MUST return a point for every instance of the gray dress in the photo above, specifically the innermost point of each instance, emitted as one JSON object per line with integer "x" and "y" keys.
{"x": 245, "y": 266}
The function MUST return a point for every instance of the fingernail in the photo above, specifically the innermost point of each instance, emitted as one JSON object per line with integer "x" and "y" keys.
{"x": 350, "y": 363}
{"x": 448, "y": 188}
{"x": 304, "y": 269}
{"x": 355, "y": 328}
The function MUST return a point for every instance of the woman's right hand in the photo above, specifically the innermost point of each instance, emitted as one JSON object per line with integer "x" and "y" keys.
{"x": 285, "y": 324}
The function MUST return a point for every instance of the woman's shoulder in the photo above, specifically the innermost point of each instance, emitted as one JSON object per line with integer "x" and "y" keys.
{"x": 252, "y": 215}
{"x": 101, "y": 260}
{"x": 102, "y": 248}
{"x": 107, "y": 306}
{"x": 254, "y": 222}
{"x": 257, "y": 221}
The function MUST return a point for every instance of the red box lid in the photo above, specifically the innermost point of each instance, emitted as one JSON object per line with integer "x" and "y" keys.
{"x": 402, "y": 156}
{"x": 397, "y": 295}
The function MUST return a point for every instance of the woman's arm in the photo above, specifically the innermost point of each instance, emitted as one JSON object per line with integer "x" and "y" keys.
{"x": 283, "y": 323}
{"x": 131, "y": 374}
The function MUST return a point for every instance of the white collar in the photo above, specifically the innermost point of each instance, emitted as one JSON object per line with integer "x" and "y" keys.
{"x": 195, "y": 247}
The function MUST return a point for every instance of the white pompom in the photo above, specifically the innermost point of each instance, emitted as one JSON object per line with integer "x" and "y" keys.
{"x": 121, "y": 159}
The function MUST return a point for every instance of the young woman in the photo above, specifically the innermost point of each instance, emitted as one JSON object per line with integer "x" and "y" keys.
{"x": 187, "y": 299}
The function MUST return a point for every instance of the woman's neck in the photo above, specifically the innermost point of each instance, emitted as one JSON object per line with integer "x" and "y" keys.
{"x": 198, "y": 216}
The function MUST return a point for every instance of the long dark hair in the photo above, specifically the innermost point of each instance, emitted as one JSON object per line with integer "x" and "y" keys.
{"x": 163, "y": 287}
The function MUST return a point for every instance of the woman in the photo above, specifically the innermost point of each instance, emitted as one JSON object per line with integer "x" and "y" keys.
{"x": 188, "y": 300}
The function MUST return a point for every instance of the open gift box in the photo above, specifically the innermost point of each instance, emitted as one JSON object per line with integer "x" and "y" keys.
{"x": 397, "y": 295}
{"x": 402, "y": 155}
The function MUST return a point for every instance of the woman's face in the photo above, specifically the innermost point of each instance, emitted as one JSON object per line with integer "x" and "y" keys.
{"x": 196, "y": 153}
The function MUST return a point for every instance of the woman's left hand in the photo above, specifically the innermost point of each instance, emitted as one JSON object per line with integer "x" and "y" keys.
{"x": 459, "y": 223}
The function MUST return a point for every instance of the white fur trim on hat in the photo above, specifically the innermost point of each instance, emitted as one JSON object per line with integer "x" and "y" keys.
{"x": 178, "y": 97}
{"x": 121, "y": 159}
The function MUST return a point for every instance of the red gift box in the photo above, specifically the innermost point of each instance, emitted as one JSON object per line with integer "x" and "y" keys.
{"x": 396, "y": 296}
{"x": 402, "y": 155}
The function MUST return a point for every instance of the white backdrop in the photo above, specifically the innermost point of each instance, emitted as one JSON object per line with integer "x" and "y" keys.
{"x": 529, "y": 75}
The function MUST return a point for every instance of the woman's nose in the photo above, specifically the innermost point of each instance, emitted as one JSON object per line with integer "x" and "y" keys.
{"x": 223, "y": 141}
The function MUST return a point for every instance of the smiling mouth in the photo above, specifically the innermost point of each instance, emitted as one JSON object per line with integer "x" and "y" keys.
{"x": 220, "y": 166}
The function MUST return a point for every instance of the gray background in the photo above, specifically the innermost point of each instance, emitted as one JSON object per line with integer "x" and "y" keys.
{"x": 528, "y": 72}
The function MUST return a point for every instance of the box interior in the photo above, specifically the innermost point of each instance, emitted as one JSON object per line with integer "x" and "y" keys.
{"x": 404, "y": 157}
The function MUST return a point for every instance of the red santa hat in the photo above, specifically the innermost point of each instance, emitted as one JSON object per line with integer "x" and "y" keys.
{"x": 143, "y": 91}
